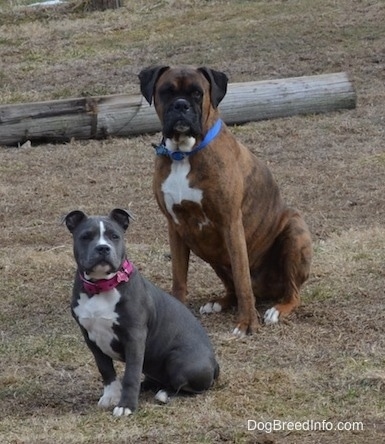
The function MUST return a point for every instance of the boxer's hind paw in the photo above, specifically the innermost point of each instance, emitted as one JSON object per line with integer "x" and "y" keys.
{"x": 271, "y": 316}
{"x": 111, "y": 394}
{"x": 210, "y": 307}
{"x": 122, "y": 411}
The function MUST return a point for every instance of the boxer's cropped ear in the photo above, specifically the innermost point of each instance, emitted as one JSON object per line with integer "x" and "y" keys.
{"x": 73, "y": 219}
{"x": 122, "y": 217}
{"x": 218, "y": 81}
{"x": 148, "y": 78}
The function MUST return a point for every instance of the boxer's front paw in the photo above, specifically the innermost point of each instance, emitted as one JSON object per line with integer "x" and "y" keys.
{"x": 239, "y": 332}
{"x": 111, "y": 395}
{"x": 122, "y": 411}
{"x": 271, "y": 316}
{"x": 247, "y": 327}
{"x": 210, "y": 307}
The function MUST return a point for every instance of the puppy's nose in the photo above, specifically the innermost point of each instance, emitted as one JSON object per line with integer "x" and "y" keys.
{"x": 103, "y": 250}
{"x": 181, "y": 105}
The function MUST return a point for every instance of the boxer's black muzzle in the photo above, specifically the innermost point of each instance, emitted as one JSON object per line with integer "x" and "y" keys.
{"x": 182, "y": 118}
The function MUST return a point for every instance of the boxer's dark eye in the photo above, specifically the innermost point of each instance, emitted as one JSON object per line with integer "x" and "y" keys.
{"x": 167, "y": 90}
{"x": 115, "y": 236}
{"x": 197, "y": 95}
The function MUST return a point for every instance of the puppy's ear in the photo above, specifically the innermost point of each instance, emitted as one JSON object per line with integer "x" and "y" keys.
{"x": 148, "y": 78}
{"x": 122, "y": 217}
{"x": 218, "y": 81}
{"x": 73, "y": 219}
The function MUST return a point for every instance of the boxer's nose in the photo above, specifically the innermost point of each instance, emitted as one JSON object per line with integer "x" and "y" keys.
{"x": 181, "y": 105}
{"x": 103, "y": 250}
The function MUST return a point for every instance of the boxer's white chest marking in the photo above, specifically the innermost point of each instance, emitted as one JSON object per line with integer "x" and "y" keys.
{"x": 97, "y": 315}
{"x": 177, "y": 188}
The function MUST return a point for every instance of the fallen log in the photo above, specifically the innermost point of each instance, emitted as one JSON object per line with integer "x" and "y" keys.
{"x": 123, "y": 115}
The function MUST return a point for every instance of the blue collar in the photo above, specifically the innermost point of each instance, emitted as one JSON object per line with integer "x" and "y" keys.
{"x": 211, "y": 134}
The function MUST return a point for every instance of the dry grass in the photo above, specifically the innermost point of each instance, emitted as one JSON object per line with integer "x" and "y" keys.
{"x": 327, "y": 361}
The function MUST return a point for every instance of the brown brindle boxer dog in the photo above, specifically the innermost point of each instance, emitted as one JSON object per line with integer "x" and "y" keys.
{"x": 221, "y": 202}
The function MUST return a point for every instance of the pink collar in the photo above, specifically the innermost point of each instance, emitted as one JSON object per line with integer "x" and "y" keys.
{"x": 123, "y": 275}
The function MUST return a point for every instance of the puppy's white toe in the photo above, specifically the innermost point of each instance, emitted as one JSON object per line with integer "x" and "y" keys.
{"x": 122, "y": 411}
{"x": 271, "y": 316}
{"x": 111, "y": 395}
{"x": 162, "y": 397}
{"x": 210, "y": 307}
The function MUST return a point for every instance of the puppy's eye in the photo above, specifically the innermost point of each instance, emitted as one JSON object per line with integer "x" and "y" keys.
{"x": 115, "y": 236}
{"x": 86, "y": 236}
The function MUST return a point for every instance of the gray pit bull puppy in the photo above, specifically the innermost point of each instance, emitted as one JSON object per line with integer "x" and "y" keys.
{"x": 124, "y": 317}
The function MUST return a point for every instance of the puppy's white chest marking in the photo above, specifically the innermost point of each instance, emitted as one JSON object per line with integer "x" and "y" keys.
{"x": 97, "y": 315}
{"x": 177, "y": 188}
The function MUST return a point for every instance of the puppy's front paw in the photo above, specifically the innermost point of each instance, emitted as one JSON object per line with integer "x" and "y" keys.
{"x": 111, "y": 395}
{"x": 122, "y": 411}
